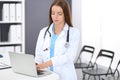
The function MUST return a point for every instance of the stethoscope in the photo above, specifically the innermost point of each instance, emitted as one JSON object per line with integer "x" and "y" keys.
{"x": 67, "y": 38}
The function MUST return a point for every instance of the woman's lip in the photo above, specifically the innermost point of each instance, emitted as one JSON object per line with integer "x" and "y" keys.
{"x": 56, "y": 20}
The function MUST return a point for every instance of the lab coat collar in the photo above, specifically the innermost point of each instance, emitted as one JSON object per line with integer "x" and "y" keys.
{"x": 64, "y": 29}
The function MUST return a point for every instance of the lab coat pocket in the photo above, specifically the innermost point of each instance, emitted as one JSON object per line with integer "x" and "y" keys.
{"x": 60, "y": 50}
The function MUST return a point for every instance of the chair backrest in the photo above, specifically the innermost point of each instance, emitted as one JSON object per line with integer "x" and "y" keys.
{"x": 86, "y": 53}
{"x": 88, "y": 48}
{"x": 104, "y": 59}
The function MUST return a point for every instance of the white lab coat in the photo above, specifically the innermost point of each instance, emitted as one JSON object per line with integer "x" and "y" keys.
{"x": 63, "y": 57}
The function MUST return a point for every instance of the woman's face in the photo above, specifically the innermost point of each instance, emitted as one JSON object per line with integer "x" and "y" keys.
{"x": 57, "y": 15}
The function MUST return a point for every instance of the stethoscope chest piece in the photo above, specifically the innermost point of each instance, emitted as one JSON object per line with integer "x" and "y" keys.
{"x": 66, "y": 44}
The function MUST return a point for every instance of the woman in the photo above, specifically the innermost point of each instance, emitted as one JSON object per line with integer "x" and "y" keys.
{"x": 58, "y": 43}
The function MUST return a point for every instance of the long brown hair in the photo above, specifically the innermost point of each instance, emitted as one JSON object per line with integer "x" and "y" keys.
{"x": 66, "y": 10}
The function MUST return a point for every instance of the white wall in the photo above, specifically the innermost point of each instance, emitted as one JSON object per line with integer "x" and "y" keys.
{"x": 99, "y": 23}
{"x": 76, "y": 13}
{"x": 76, "y": 17}
{"x": 91, "y": 23}
{"x": 111, "y": 26}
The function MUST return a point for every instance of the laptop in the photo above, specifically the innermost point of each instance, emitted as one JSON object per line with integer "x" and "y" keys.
{"x": 25, "y": 64}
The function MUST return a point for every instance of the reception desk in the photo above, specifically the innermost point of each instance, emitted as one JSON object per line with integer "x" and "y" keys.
{"x": 8, "y": 74}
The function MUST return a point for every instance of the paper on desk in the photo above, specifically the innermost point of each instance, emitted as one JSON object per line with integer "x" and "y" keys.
{"x": 3, "y": 66}
{"x": 5, "y": 59}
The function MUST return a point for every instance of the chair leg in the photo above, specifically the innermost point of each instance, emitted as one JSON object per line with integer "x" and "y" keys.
{"x": 114, "y": 77}
{"x": 103, "y": 79}
{"x": 99, "y": 77}
{"x": 118, "y": 77}
{"x": 94, "y": 77}
{"x": 83, "y": 76}
{"x": 89, "y": 77}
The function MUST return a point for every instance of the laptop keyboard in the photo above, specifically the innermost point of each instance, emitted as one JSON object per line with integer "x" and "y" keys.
{"x": 40, "y": 72}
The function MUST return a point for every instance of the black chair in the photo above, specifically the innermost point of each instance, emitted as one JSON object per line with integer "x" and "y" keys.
{"x": 86, "y": 51}
{"x": 116, "y": 71}
{"x": 98, "y": 69}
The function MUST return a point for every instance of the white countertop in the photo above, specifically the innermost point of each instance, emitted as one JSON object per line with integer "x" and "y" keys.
{"x": 8, "y": 74}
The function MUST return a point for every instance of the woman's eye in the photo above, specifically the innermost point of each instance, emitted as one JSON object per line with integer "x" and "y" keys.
{"x": 60, "y": 14}
{"x": 52, "y": 13}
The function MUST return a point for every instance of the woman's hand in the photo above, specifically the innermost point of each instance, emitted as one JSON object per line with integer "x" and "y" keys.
{"x": 44, "y": 65}
{"x": 39, "y": 66}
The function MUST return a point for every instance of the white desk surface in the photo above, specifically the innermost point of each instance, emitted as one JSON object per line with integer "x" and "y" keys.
{"x": 8, "y": 74}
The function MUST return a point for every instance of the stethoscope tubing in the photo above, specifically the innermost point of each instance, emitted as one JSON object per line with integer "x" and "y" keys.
{"x": 67, "y": 38}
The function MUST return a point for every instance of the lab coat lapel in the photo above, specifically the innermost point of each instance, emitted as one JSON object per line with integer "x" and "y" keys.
{"x": 60, "y": 42}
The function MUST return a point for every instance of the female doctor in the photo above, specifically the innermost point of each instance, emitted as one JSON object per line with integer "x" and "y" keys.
{"x": 57, "y": 44}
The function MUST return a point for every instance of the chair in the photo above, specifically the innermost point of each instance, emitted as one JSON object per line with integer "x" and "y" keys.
{"x": 85, "y": 51}
{"x": 116, "y": 71}
{"x": 99, "y": 69}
